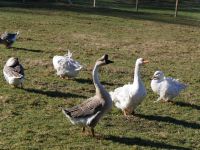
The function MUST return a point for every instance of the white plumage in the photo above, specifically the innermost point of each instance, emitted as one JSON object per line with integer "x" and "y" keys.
{"x": 128, "y": 97}
{"x": 166, "y": 87}
{"x": 66, "y": 66}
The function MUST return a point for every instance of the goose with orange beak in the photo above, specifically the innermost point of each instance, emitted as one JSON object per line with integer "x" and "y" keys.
{"x": 129, "y": 96}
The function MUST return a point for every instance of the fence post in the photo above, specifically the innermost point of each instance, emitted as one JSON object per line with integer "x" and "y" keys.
{"x": 176, "y": 8}
{"x": 136, "y": 5}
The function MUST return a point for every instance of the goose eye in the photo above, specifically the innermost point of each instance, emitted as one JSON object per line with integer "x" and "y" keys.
{"x": 157, "y": 74}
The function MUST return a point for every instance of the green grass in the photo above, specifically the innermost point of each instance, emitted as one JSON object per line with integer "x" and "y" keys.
{"x": 31, "y": 118}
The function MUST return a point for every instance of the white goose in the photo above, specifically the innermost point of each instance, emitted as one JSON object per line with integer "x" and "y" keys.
{"x": 166, "y": 87}
{"x": 14, "y": 72}
{"x": 128, "y": 97}
{"x": 90, "y": 112}
{"x": 66, "y": 66}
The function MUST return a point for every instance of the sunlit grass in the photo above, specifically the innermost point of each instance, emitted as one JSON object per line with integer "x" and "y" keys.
{"x": 31, "y": 118}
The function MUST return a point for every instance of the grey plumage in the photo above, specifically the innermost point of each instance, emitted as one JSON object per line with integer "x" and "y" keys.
{"x": 8, "y": 38}
{"x": 89, "y": 112}
{"x": 13, "y": 72}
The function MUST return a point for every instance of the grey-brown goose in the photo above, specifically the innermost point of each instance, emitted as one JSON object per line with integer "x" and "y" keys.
{"x": 89, "y": 112}
{"x": 13, "y": 72}
{"x": 8, "y": 38}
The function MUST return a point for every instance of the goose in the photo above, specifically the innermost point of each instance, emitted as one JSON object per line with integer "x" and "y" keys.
{"x": 66, "y": 66}
{"x": 14, "y": 72}
{"x": 9, "y": 38}
{"x": 166, "y": 87}
{"x": 92, "y": 110}
{"x": 129, "y": 96}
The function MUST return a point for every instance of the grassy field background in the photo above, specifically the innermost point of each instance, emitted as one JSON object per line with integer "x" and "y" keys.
{"x": 31, "y": 118}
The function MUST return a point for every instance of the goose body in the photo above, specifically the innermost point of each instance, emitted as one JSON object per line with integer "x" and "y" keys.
{"x": 129, "y": 96}
{"x": 92, "y": 110}
{"x": 166, "y": 87}
{"x": 66, "y": 66}
{"x": 9, "y": 38}
{"x": 13, "y": 72}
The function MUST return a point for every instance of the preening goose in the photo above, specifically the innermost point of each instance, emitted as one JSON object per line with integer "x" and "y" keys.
{"x": 166, "y": 87}
{"x": 66, "y": 66}
{"x": 9, "y": 38}
{"x": 129, "y": 96}
{"x": 14, "y": 72}
{"x": 90, "y": 112}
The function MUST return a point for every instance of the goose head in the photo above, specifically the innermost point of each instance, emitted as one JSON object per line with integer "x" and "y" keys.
{"x": 13, "y": 61}
{"x": 103, "y": 60}
{"x": 158, "y": 75}
{"x": 17, "y": 33}
{"x": 141, "y": 61}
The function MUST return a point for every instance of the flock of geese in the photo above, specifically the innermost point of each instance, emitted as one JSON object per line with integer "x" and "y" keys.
{"x": 88, "y": 113}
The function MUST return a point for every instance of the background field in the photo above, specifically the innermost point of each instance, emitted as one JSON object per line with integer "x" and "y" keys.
{"x": 31, "y": 118}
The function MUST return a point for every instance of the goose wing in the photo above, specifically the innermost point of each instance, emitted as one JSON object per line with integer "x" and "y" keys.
{"x": 13, "y": 72}
{"x": 88, "y": 108}
{"x": 175, "y": 83}
{"x": 73, "y": 65}
{"x": 19, "y": 69}
{"x": 11, "y": 37}
{"x": 121, "y": 93}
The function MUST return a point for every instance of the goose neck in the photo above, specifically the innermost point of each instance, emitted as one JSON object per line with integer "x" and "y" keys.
{"x": 100, "y": 91}
{"x": 137, "y": 74}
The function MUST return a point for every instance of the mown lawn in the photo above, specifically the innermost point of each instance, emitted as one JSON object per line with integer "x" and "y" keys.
{"x": 31, "y": 118}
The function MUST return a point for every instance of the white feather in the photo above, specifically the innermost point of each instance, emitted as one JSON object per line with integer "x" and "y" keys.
{"x": 66, "y": 66}
{"x": 166, "y": 87}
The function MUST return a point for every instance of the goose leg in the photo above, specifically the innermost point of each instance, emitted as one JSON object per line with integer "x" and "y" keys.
{"x": 62, "y": 77}
{"x": 127, "y": 114}
{"x": 8, "y": 45}
{"x": 92, "y": 130}
{"x": 124, "y": 112}
{"x": 83, "y": 130}
{"x": 13, "y": 86}
{"x": 159, "y": 99}
{"x": 21, "y": 85}
{"x": 133, "y": 112}
{"x": 170, "y": 101}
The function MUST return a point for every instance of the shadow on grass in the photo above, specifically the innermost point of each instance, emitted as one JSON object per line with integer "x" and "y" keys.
{"x": 89, "y": 81}
{"x": 171, "y": 120}
{"x": 165, "y": 17}
{"x": 143, "y": 142}
{"x": 184, "y": 104}
{"x": 83, "y": 81}
{"x": 26, "y": 49}
{"x": 55, "y": 93}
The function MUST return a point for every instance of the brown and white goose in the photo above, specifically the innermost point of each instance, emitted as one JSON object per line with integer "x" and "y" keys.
{"x": 90, "y": 112}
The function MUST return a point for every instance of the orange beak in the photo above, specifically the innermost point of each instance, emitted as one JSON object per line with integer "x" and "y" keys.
{"x": 145, "y": 61}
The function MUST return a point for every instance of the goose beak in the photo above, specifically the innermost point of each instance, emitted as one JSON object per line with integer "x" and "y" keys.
{"x": 154, "y": 78}
{"x": 109, "y": 61}
{"x": 145, "y": 61}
